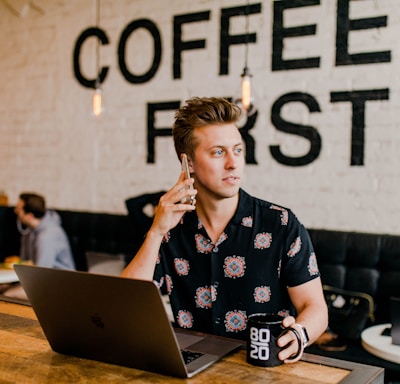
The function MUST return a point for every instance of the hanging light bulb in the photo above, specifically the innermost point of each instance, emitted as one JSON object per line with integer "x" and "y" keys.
{"x": 97, "y": 102}
{"x": 97, "y": 96}
{"x": 246, "y": 97}
{"x": 246, "y": 89}
{"x": 246, "y": 100}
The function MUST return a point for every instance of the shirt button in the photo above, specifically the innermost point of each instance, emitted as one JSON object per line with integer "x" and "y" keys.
{"x": 217, "y": 320}
{"x": 215, "y": 249}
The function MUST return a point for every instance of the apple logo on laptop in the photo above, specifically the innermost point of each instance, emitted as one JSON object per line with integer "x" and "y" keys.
{"x": 97, "y": 320}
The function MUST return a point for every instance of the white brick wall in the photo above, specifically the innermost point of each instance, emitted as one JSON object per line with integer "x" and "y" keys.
{"x": 51, "y": 144}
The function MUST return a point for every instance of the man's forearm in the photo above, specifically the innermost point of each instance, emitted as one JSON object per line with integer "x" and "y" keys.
{"x": 311, "y": 308}
{"x": 315, "y": 319}
{"x": 143, "y": 264}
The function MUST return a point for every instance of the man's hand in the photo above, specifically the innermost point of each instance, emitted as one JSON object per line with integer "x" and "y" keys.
{"x": 290, "y": 343}
{"x": 170, "y": 209}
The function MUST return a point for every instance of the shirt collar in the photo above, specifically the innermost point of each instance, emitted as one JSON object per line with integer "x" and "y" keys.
{"x": 244, "y": 209}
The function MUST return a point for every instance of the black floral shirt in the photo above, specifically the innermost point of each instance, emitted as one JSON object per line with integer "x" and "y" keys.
{"x": 214, "y": 287}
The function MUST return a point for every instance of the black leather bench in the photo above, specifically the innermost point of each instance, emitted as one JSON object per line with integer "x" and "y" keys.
{"x": 98, "y": 232}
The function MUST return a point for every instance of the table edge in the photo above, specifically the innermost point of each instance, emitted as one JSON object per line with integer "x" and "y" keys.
{"x": 360, "y": 373}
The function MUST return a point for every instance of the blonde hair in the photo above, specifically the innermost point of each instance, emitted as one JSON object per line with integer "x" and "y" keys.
{"x": 200, "y": 112}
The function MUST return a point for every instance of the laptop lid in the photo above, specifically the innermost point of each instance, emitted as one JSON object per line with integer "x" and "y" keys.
{"x": 395, "y": 319}
{"x": 114, "y": 320}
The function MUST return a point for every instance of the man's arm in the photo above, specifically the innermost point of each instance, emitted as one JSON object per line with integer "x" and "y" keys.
{"x": 168, "y": 214}
{"x": 143, "y": 264}
{"x": 312, "y": 313}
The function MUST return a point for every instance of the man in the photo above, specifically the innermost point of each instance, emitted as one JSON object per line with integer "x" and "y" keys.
{"x": 43, "y": 240}
{"x": 228, "y": 255}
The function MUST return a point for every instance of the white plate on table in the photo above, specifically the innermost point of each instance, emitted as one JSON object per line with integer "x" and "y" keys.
{"x": 7, "y": 275}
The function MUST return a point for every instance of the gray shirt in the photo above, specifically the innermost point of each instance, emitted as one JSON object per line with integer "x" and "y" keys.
{"x": 47, "y": 245}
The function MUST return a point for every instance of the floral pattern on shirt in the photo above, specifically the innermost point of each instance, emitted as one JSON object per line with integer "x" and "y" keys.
{"x": 284, "y": 313}
{"x": 203, "y": 244}
{"x": 168, "y": 283}
{"x": 262, "y": 294}
{"x": 203, "y": 297}
{"x": 262, "y": 240}
{"x": 235, "y": 321}
{"x": 222, "y": 237}
{"x": 182, "y": 267}
{"x": 284, "y": 213}
{"x": 313, "y": 266}
{"x": 185, "y": 319}
{"x": 295, "y": 247}
{"x": 234, "y": 266}
{"x": 214, "y": 293}
{"x": 166, "y": 237}
{"x": 247, "y": 221}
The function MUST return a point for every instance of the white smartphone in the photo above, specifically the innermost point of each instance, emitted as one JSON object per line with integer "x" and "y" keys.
{"x": 185, "y": 169}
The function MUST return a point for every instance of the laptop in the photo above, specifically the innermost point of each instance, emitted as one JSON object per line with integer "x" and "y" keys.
{"x": 395, "y": 319}
{"x": 116, "y": 320}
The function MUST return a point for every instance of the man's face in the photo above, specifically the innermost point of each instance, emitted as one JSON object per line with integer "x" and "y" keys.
{"x": 20, "y": 212}
{"x": 218, "y": 160}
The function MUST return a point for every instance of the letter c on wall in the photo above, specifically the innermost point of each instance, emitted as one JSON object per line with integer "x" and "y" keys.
{"x": 101, "y": 35}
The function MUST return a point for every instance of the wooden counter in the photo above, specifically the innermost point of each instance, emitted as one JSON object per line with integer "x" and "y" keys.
{"x": 26, "y": 357}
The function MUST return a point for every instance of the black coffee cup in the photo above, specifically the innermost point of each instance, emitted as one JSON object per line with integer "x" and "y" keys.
{"x": 264, "y": 329}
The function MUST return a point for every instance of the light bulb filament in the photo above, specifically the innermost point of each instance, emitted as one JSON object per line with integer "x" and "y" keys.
{"x": 97, "y": 102}
{"x": 246, "y": 92}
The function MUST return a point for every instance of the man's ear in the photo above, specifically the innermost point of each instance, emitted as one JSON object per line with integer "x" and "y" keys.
{"x": 190, "y": 164}
{"x": 189, "y": 161}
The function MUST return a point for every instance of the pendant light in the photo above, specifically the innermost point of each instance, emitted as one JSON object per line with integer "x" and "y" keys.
{"x": 97, "y": 96}
{"x": 246, "y": 100}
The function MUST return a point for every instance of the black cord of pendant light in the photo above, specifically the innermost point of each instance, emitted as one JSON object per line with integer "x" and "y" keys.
{"x": 246, "y": 52}
{"x": 246, "y": 75}
{"x": 97, "y": 96}
{"x": 97, "y": 45}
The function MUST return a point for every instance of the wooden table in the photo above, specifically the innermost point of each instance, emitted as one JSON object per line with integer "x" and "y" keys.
{"x": 26, "y": 357}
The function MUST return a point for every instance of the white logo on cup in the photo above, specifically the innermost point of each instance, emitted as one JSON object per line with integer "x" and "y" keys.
{"x": 259, "y": 343}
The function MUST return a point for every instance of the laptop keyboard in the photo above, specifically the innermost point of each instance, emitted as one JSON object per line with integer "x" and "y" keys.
{"x": 189, "y": 356}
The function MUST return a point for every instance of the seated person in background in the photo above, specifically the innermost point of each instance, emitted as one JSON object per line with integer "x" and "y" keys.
{"x": 141, "y": 212}
{"x": 228, "y": 255}
{"x": 43, "y": 240}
